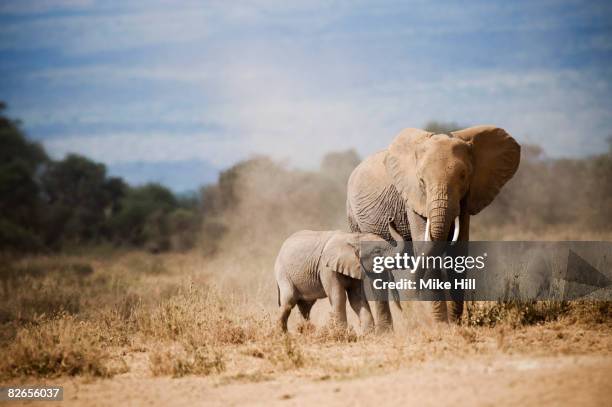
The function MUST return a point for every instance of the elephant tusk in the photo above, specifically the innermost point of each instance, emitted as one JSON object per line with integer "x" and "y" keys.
{"x": 426, "y": 237}
{"x": 456, "y": 231}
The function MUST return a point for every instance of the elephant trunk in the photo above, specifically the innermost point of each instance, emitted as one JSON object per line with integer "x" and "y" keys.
{"x": 399, "y": 240}
{"x": 438, "y": 215}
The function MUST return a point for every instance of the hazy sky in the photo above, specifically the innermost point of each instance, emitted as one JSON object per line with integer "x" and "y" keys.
{"x": 174, "y": 91}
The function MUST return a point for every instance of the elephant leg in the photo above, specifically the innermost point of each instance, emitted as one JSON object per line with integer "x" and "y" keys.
{"x": 383, "y": 320}
{"x": 284, "y": 317}
{"x": 417, "y": 230}
{"x": 439, "y": 305}
{"x": 305, "y": 307}
{"x": 382, "y": 312}
{"x": 455, "y": 304}
{"x": 440, "y": 310}
{"x": 455, "y": 309}
{"x": 337, "y": 299}
{"x": 287, "y": 300}
{"x": 360, "y": 305}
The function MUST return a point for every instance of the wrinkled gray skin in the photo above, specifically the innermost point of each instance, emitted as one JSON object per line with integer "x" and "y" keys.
{"x": 313, "y": 265}
{"x": 425, "y": 176}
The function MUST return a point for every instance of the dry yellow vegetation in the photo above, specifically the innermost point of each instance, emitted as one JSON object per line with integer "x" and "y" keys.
{"x": 94, "y": 316}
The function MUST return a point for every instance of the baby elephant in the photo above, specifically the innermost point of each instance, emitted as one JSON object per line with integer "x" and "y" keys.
{"x": 313, "y": 265}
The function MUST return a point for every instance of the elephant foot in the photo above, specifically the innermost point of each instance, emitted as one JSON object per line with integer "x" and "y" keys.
{"x": 306, "y": 327}
{"x": 382, "y": 329}
{"x": 439, "y": 311}
{"x": 281, "y": 327}
{"x": 383, "y": 320}
{"x": 368, "y": 331}
{"x": 455, "y": 311}
{"x": 367, "y": 325}
{"x": 337, "y": 331}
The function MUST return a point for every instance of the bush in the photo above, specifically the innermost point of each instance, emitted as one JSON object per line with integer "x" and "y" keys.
{"x": 179, "y": 361}
{"x": 16, "y": 238}
{"x": 42, "y": 287}
{"x": 515, "y": 313}
{"x": 195, "y": 317}
{"x": 60, "y": 346}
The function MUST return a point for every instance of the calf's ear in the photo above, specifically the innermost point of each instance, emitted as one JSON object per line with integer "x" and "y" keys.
{"x": 341, "y": 254}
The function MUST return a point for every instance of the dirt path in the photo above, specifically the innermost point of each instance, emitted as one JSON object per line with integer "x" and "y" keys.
{"x": 502, "y": 380}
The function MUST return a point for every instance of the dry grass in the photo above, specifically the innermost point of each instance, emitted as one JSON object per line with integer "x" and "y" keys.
{"x": 178, "y": 361}
{"x": 195, "y": 316}
{"x": 62, "y": 345}
{"x": 515, "y": 313}
{"x": 58, "y": 322}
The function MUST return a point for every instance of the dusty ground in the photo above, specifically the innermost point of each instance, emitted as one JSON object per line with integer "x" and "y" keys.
{"x": 553, "y": 364}
{"x": 144, "y": 315}
{"x": 475, "y": 381}
{"x": 503, "y": 380}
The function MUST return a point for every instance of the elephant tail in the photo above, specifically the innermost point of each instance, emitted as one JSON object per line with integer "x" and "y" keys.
{"x": 278, "y": 294}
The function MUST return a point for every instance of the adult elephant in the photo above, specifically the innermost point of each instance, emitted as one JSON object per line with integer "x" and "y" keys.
{"x": 430, "y": 184}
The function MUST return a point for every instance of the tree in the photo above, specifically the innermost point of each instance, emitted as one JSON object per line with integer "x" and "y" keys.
{"x": 442, "y": 127}
{"x": 80, "y": 199}
{"x": 143, "y": 217}
{"x": 20, "y": 206}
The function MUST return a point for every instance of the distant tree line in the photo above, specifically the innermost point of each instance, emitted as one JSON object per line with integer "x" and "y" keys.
{"x": 49, "y": 205}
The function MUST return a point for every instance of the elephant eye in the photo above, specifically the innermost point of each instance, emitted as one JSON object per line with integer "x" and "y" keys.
{"x": 422, "y": 184}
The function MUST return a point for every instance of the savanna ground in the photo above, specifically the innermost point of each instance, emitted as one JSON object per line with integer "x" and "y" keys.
{"x": 127, "y": 327}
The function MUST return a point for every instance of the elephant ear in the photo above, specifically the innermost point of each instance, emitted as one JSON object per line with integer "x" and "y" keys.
{"x": 342, "y": 255}
{"x": 496, "y": 159}
{"x": 401, "y": 166}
